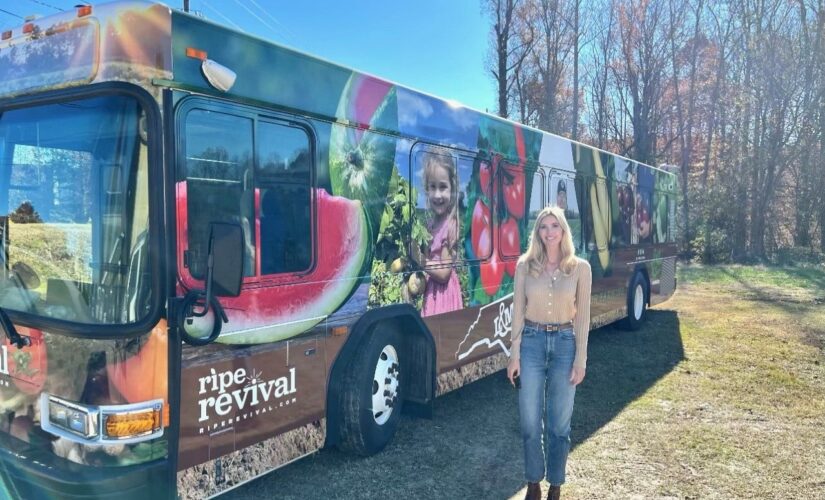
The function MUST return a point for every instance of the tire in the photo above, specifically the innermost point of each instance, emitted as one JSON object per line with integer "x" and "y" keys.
{"x": 372, "y": 398}
{"x": 636, "y": 303}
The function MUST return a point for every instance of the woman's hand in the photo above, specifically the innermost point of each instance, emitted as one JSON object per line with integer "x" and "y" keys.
{"x": 513, "y": 370}
{"x": 576, "y": 375}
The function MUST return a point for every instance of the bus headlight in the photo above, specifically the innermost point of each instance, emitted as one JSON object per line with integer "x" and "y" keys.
{"x": 105, "y": 424}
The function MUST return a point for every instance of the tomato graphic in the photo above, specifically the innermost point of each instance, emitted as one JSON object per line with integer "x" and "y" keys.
{"x": 512, "y": 184}
{"x": 492, "y": 271}
{"x": 510, "y": 243}
{"x": 480, "y": 230}
{"x": 28, "y": 365}
{"x": 485, "y": 173}
{"x": 491, "y": 274}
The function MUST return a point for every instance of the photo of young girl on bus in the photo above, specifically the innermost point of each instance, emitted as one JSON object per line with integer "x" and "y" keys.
{"x": 440, "y": 184}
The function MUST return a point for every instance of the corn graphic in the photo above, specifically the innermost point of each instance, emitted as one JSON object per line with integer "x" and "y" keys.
{"x": 600, "y": 205}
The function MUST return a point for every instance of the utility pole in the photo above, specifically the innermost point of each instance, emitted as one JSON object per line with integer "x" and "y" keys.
{"x": 186, "y": 5}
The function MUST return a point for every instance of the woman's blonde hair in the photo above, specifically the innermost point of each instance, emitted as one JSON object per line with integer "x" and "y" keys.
{"x": 536, "y": 255}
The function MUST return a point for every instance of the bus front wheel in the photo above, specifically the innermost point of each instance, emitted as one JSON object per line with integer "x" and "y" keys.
{"x": 636, "y": 302}
{"x": 372, "y": 399}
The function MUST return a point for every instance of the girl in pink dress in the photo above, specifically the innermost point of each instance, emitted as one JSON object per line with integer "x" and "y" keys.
{"x": 443, "y": 291}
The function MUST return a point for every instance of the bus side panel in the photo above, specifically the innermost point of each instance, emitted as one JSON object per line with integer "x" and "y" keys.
{"x": 663, "y": 277}
{"x": 234, "y": 402}
{"x": 472, "y": 343}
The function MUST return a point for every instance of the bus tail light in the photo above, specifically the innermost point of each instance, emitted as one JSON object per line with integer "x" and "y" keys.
{"x": 106, "y": 424}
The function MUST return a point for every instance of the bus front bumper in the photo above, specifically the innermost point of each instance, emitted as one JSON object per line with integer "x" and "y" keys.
{"x": 29, "y": 472}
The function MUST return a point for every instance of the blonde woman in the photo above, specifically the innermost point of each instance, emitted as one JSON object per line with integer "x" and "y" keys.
{"x": 551, "y": 321}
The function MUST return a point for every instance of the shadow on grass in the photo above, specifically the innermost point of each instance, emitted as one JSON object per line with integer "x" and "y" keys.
{"x": 814, "y": 276}
{"x": 809, "y": 278}
{"x": 622, "y": 366}
{"x": 472, "y": 447}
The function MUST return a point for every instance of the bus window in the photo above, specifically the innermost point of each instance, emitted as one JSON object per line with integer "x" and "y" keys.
{"x": 537, "y": 199}
{"x": 623, "y": 216}
{"x": 465, "y": 173}
{"x": 660, "y": 215}
{"x": 644, "y": 204}
{"x": 563, "y": 194}
{"x": 283, "y": 177}
{"x": 436, "y": 178}
{"x": 218, "y": 153}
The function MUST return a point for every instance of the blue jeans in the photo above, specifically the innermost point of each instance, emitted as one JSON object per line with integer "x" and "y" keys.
{"x": 546, "y": 401}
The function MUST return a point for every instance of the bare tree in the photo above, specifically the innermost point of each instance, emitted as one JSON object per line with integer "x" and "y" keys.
{"x": 642, "y": 69}
{"x": 508, "y": 47}
{"x": 549, "y": 59}
{"x": 600, "y": 61}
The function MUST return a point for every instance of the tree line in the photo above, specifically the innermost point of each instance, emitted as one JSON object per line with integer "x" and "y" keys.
{"x": 732, "y": 92}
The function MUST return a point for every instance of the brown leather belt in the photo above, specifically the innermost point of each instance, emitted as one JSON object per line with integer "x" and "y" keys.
{"x": 548, "y": 327}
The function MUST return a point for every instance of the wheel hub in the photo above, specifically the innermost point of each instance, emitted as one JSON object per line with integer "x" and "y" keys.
{"x": 385, "y": 385}
{"x": 638, "y": 302}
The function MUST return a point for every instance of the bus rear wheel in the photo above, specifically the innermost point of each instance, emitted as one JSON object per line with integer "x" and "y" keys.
{"x": 372, "y": 398}
{"x": 636, "y": 303}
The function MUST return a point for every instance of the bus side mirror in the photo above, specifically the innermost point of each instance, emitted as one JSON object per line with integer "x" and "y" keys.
{"x": 224, "y": 275}
{"x": 226, "y": 252}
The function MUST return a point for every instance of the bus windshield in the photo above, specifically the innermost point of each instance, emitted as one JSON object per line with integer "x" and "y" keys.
{"x": 74, "y": 211}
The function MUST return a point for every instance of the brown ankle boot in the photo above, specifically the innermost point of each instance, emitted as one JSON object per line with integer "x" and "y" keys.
{"x": 554, "y": 492}
{"x": 533, "y": 492}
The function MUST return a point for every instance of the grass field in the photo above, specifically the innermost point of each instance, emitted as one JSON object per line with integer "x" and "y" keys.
{"x": 720, "y": 395}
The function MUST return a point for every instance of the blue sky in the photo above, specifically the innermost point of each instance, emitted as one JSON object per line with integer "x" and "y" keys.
{"x": 435, "y": 46}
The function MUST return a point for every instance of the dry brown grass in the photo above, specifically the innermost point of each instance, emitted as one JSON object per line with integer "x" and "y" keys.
{"x": 721, "y": 394}
{"x": 741, "y": 416}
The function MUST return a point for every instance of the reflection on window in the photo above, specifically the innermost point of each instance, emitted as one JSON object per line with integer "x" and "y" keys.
{"x": 283, "y": 175}
{"x": 537, "y": 199}
{"x": 74, "y": 220}
{"x": 623, "y": 217}
{"x": 563, "y": 195}
{"x": 218, "y": 152}
{"x": 643, "y": 206}
{"x": 437, "y": 179}
{"x": 271, "y": 202}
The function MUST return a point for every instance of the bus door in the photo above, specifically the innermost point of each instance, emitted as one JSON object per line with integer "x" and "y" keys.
{"x": 266, "y": 373}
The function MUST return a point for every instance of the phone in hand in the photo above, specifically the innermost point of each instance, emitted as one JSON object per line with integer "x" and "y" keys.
{"x": 517, "y": 381}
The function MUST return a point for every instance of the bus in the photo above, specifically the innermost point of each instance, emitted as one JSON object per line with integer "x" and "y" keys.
{"x": 220, "y": 254}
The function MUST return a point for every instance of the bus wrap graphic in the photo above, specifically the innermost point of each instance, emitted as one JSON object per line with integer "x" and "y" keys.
{"x": 502, "y": 326}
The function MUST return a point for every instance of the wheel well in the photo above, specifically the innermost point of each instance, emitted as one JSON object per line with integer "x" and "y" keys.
{"x": 417, "y": 389}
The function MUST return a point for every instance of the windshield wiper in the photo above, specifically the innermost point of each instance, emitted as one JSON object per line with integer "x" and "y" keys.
{"x": 11, "y": 332}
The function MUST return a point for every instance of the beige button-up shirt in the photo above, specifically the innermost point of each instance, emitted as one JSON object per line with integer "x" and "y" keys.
{"x": 553, "y": 298}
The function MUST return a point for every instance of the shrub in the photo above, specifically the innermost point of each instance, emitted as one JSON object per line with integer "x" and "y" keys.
{"x": 25, "y": 214}
{"x": 793, "y": 256}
